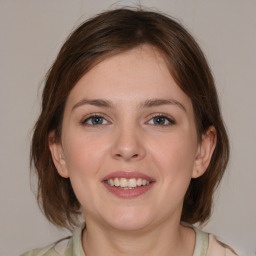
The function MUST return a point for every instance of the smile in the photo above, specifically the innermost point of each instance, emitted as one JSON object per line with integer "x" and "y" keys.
{"x": 128, "y": 184}
{"x": 125, "y": 183}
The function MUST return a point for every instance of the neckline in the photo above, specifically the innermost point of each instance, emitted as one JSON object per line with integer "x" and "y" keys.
{"x": 201, "y": 245}
{"x": 202, "y": 242}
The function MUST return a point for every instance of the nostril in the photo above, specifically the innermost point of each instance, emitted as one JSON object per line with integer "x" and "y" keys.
{"x": 133, "y": 156}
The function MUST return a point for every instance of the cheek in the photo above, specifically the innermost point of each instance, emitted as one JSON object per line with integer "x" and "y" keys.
{"x": 84, "y": 157}
{"x": 84, "y": 153}
{"x": 175, "y": 156}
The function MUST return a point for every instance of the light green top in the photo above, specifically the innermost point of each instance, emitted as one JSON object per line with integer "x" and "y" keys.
{"x": 72, "y": 246}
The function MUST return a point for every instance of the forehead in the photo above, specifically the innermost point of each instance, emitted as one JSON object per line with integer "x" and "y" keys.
{"x": 139, "y": 73}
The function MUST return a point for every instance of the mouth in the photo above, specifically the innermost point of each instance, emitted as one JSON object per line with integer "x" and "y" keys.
{"x": 124, "y": 183}
{"x": 128, "y": 184}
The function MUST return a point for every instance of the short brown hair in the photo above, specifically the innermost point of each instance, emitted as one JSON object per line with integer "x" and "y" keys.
{"x": 107, "y": 34}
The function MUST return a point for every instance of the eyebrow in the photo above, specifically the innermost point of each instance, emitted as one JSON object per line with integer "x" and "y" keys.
{"x": 160, "y": 102}
{"x": 146, "y": 104}
{"x": 95, "y": 102}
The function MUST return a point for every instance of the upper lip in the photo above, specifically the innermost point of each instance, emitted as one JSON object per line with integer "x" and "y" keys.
{"x": 128, "y": 175}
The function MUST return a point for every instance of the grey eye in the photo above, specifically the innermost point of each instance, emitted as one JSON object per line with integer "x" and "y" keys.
{"x": 161, "y": 121}
{"x": 95, "y": 120}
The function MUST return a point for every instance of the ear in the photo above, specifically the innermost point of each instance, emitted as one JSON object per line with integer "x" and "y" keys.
{"x": 204, "y": 152}
{"x": 57, "y": 155}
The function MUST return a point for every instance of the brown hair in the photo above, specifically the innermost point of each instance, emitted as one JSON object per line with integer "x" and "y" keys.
{"x": 110, "y": 33}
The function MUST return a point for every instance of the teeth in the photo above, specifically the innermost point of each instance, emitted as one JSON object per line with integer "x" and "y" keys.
{"x": 123, "y": 182}
{"x": 132, "y": 183}
{"x": 139, "y": 182}
{"x": 111, "y": 182}
{"x": 116, "y": 182}
{"x": 127, "y": 183}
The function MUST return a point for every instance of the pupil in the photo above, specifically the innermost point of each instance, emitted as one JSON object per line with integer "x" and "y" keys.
{"x": 97, "y": 120}
{"x": 159, "y": 120}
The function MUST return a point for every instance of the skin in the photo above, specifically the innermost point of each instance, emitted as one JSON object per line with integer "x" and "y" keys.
{"x": 130, "y": 138}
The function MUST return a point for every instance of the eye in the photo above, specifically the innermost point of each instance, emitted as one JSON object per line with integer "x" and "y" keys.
{"x": 161, "y": 120}
{"x": 94, "y": 120}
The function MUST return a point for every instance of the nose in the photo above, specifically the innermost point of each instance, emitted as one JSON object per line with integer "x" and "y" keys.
{"x": 128, "y": 144}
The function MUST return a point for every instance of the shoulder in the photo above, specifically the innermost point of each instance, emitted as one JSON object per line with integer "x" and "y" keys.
{"x": 209, "y": 245}
{"x": 71, "y": 245}
{"x": 217, "y": 247}
{"x": 56, "y": 249}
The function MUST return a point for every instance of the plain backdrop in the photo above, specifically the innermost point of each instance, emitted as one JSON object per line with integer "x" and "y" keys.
{"x": 32, "y": 32}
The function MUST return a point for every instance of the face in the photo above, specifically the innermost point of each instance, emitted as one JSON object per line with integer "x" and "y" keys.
{"x": 129, "y": 143}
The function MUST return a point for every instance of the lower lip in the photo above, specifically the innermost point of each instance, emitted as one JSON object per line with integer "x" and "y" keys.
{"x": 128, "y": 193}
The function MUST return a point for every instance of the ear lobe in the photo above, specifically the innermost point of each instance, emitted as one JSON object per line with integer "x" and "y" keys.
{"x": 204, "y": 153}
{"x": 57, "y": 155}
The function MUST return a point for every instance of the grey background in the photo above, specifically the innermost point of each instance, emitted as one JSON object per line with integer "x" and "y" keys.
{"x": 31, "y": 35}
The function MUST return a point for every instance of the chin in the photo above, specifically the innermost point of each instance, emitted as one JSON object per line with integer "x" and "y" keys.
{"x": 130, "y": 220}
{"x": 129, "y": 225}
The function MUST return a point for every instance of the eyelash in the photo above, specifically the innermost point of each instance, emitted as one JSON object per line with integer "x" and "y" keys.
{"x": 163, "y": 116}
{"x": 102, "y": 117}
{"x": 90, "y": 117}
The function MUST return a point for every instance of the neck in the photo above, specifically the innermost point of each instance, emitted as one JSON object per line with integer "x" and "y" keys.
{"x": 161, "y": 240}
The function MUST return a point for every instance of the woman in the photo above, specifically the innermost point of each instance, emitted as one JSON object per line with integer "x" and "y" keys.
{"x": 131, "y": 137}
